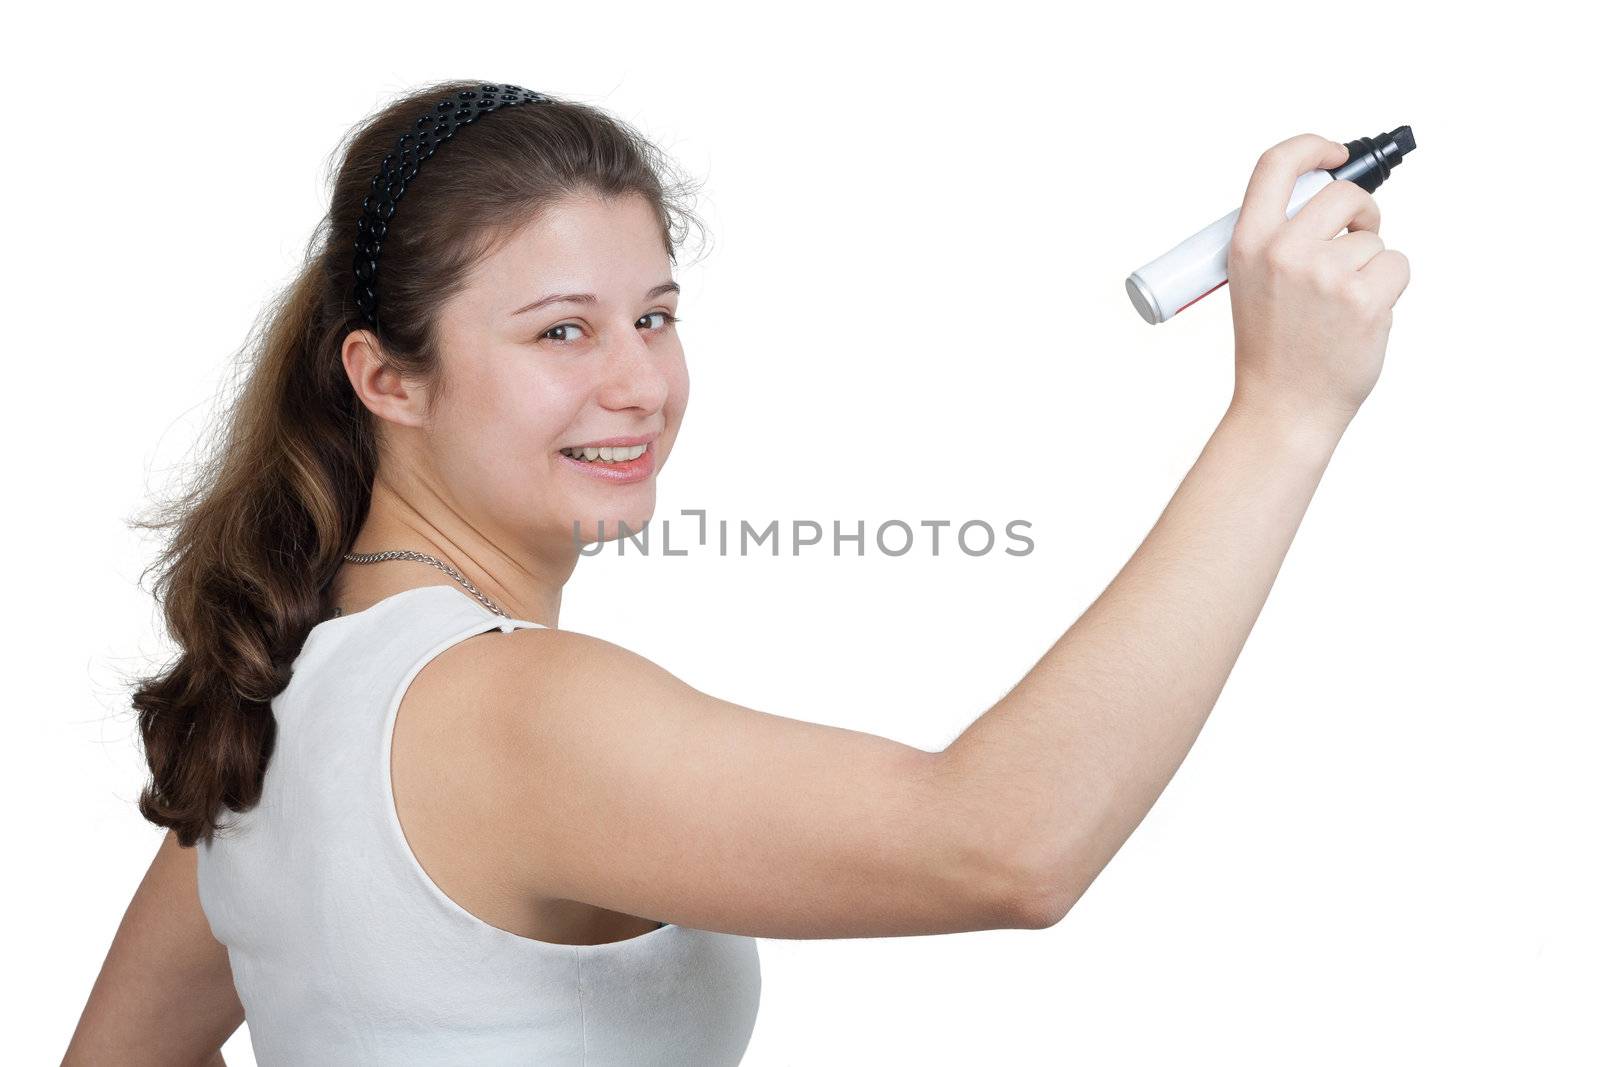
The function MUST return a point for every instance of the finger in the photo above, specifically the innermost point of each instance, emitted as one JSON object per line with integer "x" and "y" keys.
{"x": 1355, "y": 250}
{"x": 1389, "y": 272}
{"x": 1266, "y": 198}
{"x": 1336, "y": 206}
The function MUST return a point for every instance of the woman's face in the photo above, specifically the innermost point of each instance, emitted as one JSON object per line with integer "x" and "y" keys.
{"x": 525, "y": 383}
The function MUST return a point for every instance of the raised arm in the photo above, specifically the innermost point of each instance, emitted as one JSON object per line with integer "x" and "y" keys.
{"x": 626, "y": 788}
{"x": 1081, "y": 748}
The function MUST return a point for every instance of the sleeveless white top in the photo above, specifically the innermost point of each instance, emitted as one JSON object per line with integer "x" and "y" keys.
{"x": 345, "y": 951}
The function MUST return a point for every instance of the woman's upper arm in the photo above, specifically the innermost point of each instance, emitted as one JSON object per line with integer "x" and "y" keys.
{"x": 630, "y": 790}
{"x": 165, "y": 993}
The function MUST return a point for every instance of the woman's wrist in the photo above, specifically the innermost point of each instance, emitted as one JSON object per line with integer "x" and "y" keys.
{"x": 1309, "y": 435}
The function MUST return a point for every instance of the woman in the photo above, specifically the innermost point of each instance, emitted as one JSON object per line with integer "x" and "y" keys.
{"x": 466, "y": 835}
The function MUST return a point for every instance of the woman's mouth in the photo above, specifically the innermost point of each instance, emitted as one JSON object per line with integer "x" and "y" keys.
{"x": 616, "y": 464}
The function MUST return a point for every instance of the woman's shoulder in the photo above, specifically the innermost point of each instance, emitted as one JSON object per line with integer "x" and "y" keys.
{"x": 458, "y": 785}
{"x": 487, "y": 723}
{"x": 505, "y": 671}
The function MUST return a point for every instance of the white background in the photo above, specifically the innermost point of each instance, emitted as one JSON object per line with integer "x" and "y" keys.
{"x": 1382, "y": 848}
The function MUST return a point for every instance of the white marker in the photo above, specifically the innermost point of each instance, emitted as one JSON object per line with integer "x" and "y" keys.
{"x": 1199, "y": 266}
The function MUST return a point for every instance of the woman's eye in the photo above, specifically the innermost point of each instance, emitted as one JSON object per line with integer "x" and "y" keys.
{"x": 668, "y": 316}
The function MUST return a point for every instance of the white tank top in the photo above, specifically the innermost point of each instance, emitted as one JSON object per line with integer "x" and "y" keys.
{"x": 345, "y": 951}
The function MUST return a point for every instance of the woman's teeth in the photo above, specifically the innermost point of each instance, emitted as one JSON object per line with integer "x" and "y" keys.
{"x": 619, "y": 454}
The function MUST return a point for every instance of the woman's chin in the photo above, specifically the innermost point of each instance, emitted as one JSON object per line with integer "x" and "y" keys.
{"x": 592, "y": 529}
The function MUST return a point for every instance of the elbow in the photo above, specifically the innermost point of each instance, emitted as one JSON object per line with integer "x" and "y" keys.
{"x": 1008, "y": 902}
{"x": 1006, "y": 880}
{"x": 1041, "y": 895}
{"x": 1036, "y": 908}
{"x": 1001, "y": 885}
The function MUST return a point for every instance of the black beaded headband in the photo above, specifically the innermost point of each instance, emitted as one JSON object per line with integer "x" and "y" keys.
{"x": 433, "y": 129}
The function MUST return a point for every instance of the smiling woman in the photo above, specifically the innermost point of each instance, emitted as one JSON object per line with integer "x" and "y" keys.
{"x": 465, "y": 835}
{"x": 411, "y": 398}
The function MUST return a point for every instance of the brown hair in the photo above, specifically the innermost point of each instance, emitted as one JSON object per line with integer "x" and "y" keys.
{"x": 258, "y": 534}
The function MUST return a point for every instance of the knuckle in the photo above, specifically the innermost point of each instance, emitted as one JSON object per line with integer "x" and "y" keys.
{"x": 1372, "y": 305}
{"x": 1353, "y": 293}
{"x": 1329, "y": 277}
{"x": 1289, "y": 146}
{"x": 1351, "y": 197}
{"x": 1280, "y": 256}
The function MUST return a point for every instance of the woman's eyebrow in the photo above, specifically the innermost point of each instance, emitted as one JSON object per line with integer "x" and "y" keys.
{"x": 588, "y": 298}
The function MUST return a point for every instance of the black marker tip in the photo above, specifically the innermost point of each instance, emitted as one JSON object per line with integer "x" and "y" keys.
{"x": 1403, "y": 139}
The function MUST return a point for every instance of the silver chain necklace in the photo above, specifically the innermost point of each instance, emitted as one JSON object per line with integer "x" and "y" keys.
{"x": 406, "y": 553}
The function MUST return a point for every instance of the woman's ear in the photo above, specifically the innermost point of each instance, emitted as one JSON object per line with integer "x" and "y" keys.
{"x": 378, "y": 384}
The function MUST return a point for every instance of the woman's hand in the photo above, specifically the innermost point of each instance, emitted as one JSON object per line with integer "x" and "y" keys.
{"x": 1311, "y": 308}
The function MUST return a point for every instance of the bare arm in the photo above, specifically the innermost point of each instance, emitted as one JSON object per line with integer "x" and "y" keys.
{"x": 1081, "y": 748}
{"x": 1077, "y": 753}
{"x": 619, "y": 785}
{"x": 626, "y": 788}
{"x": 165, "y": 993}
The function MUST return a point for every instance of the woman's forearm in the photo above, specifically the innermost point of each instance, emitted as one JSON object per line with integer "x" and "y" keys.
{"x": 1067, "y": 764}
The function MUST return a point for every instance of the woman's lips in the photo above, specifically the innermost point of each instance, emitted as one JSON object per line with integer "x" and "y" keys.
{"x": 634, "y": 470}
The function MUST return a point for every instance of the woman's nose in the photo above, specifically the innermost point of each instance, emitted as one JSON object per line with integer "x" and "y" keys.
{"x": 635, "y": 375}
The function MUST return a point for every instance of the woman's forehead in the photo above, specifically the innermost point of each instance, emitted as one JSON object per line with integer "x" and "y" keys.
{"x": 605, "y": 247}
